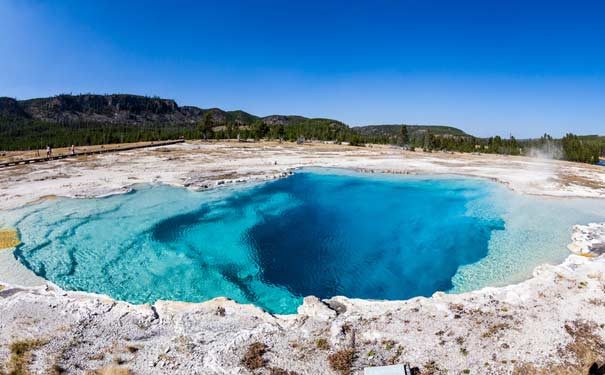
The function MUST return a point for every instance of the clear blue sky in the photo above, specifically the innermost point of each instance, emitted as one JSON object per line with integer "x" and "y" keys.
{"x": 488, "y": 67}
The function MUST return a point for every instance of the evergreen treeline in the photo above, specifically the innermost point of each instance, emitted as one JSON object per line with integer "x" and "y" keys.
{"x": 585, "y": 149}
{"x": 27, "y": 134}
{"x": 89, "y": 119}
{"x": 24, "y": 134}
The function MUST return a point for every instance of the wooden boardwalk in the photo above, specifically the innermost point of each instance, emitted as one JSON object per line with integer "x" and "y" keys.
{"x": 99, "y": 151}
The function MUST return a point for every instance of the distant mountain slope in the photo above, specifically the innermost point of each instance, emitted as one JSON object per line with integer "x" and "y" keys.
{"x": 128, "y": 109}
{"x": 113, "y": 109}
{"x": 96, "y": 119}
{"x": 413, "y": 130}
{"x": 93, "y": 119}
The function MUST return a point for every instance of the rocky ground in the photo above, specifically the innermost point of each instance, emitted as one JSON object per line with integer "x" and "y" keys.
{"x": 553, "y": 323}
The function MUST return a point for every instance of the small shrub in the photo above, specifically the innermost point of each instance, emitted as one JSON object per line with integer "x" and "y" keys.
{"x": 388, "y": 344}
{"x": 494, "y": 329}
{"x": 322, "y": 344}
{"x": 431, "y": 367}
{"x": 342, "y": 361}
{"x": 281, "y": 371}
{"x": 253, "y": 358}
{"x": 395, "y": 358}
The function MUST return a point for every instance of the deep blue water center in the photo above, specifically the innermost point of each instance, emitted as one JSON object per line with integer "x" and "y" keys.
{"x": 313, "y": 233}
{"x": 369, "y": 238}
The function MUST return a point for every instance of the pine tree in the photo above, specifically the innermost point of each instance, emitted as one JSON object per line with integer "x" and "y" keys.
{"x": 404, "y": 137}
{"x": 205, "y": 126}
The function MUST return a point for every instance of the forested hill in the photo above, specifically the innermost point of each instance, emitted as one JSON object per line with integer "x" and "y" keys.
{"x": 124, "y": 109}
{"x": 413, "y": 130}
{"x": 95, "y": 119}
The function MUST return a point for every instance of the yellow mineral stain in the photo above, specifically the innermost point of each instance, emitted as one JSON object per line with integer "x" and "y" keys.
{"x": 8, "y": 238}
{"x": 50, "y": 197}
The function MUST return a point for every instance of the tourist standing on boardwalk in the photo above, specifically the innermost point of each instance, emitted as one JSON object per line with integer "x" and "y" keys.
{"x": 73, "y": 149}
{"x": 48, "y": 151}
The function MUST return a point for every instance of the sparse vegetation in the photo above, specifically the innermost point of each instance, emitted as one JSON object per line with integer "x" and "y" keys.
{"x": 253, "y": 358}
{"x": 280, "y": 371}
{"x": 21, "y": 355}
{"x": 342, "y": 361}
{"x": 395, "y": 358}
{"x": 322, "y": 343}
{"x": 494, "y": 329}
{"x": 388, "y": 344}
{"x": 432, "y": 368}
{"x": 585, "y": 349}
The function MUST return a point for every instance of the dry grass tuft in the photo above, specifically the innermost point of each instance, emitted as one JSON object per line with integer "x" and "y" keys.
{"x": 253, "y": 358}
{"x": 342, "y": 361}
{"x": 21, "y": 355}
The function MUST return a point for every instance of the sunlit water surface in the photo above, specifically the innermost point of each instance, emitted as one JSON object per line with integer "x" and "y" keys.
{"x": 318, "y": 232}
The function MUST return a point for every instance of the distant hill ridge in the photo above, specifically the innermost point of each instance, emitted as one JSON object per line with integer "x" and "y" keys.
{"x": 98, "y": 119}
{"x": 135, "y": 109}
{"x": 413, "y": 130}
{"x": 126, "y": 109}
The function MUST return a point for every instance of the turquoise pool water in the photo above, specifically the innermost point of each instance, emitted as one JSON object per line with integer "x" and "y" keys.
{"x": 317, "y": 232}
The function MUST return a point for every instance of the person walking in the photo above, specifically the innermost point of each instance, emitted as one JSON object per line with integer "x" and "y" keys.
{"x": 48, "y": 151}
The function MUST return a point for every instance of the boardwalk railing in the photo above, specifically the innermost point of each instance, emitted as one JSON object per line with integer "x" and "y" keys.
{"x": 99, "y": 151}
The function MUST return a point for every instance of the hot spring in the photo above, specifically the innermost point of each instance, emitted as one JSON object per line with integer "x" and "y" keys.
{"x": 317, "y": 232}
